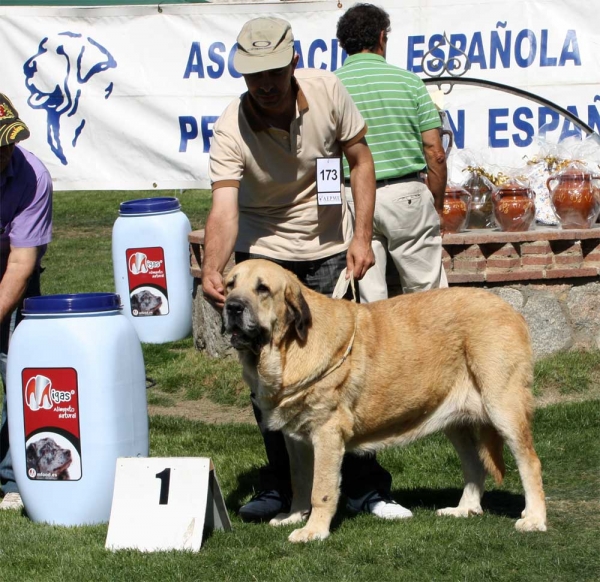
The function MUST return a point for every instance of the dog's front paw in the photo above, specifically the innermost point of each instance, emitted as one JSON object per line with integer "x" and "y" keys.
{"x": 460, "y": 511}
{"x": 307, "y": 534}
{"x": 531, "y": 524}
{"x": 288, "y": 518}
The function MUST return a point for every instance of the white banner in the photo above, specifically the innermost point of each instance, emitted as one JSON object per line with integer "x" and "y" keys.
{"x": 126, "y": 97}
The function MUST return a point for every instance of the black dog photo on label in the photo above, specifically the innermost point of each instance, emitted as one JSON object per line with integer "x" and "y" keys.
{"x": 145, "y": 303}
{"x": 48, "y": 460}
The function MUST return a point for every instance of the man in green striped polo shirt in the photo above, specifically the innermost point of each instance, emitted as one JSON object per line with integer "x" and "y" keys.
{"x": 405, "y": 142}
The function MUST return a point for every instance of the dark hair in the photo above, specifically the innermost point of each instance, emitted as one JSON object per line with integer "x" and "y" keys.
{"x": 359, "y": 27}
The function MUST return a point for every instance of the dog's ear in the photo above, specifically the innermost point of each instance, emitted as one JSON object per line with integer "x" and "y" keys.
{"x": 298, "y": 310}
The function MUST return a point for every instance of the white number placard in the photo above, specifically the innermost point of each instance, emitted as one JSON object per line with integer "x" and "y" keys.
{"x": 165, "y": 504}
{"x": 329, "y": 181}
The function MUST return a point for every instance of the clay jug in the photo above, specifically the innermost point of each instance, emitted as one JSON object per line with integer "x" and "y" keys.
{"x": 480, "y": 188}
{"x": 575, "y": 196}
{"x": 514, "y": 207}
{"x": 457, "y": 202}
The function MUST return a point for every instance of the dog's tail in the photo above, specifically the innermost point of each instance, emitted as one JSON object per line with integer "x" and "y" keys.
{"x": 490, "y": 452}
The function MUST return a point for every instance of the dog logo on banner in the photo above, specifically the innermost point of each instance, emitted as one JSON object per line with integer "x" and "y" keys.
{"x": 57, "y": 77}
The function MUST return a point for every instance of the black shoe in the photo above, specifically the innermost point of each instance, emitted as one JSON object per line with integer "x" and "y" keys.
{"x": 265, "y": 505}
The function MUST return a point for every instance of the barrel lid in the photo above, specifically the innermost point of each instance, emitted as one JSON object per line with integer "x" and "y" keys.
{"x": 149, "y": 205}
{"x": 71, "y": 303}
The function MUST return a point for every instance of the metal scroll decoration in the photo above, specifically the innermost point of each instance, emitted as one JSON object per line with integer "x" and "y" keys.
{"x": 456, "y": 65}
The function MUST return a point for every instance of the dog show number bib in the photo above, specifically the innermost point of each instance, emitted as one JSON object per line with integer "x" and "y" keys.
{"x": 51, "y": 422}
{"x": 329, "y": 181}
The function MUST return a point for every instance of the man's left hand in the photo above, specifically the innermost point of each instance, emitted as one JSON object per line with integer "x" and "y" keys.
{"x": 359, "y": 259}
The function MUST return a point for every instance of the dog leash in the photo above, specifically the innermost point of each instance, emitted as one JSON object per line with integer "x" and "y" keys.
{"x": 341, "y": 287}
{"x": 319, "y": 377}
{"x": 340, "y": 290}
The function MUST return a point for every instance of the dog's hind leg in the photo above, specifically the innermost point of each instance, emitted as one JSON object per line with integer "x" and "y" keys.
{"x": 514, "y": 424}
{"x": 301, "y": 471}
{"x": 465, "y": 442}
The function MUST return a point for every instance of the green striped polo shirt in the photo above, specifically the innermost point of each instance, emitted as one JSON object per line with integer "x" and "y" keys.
{"x": 397, "y": 108}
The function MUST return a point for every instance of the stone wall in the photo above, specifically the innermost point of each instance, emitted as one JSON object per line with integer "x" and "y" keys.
{"x": 550, "y": 275}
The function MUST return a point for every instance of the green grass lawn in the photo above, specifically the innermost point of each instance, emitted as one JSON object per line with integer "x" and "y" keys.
{"x": 426, "y": 474}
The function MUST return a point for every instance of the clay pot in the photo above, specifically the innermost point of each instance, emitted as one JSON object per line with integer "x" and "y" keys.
{"x": 457, "y": 202}
{"x": 480, "y": 190}
{"x": 514, "y": 207}
{"x": 575, "y": 196}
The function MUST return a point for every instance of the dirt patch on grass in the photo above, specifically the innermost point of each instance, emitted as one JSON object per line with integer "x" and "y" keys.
{"x": 207, "y": 411}
{"x": 553, "y": 396}
{"x": 85, "y": 232}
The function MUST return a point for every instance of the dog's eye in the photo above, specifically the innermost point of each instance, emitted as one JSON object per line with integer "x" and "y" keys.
{"x": 262, "y": 289}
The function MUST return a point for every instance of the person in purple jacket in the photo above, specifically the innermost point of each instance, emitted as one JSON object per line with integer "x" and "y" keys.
{"x": 25, "y": 230}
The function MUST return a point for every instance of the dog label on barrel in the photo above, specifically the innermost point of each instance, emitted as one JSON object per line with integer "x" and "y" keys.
{"x": 147, "y": 278}
{"x": 165, "y": 504}
{"x": 51, "y": 421}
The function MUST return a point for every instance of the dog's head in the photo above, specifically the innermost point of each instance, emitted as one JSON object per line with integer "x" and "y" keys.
{"x": 264, "y": 303}
{"x": 45, "y": 456}
{"x": 146, "y": 302}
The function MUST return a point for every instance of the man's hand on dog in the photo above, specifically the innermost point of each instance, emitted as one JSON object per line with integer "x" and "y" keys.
{"x": 213, "y": 288}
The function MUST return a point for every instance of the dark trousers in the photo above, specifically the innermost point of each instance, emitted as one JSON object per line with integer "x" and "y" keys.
{"x": 7, "y": 476}
{"x": 361, "y": 474}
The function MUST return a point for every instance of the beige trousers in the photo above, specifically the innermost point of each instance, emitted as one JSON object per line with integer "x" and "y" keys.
{"x": 406, "y": 225}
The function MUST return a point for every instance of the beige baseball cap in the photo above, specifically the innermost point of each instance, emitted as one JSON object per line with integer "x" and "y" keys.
{"x": 264, "y": 44}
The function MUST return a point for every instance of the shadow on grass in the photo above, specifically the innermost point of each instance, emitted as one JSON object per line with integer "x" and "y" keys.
{"x": 248, "y": 483}
{"x": 495, "y": 502}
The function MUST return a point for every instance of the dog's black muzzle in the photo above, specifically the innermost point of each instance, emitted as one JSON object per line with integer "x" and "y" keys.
{"x": 240, "y": 322}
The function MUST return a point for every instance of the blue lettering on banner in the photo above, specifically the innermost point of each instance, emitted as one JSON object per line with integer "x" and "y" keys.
{"x": 524, "y": 121}
{"x": 548, "y": 120}
{"x": 569, "y": 130}
{"x": 594, "y": 115}
{"x": 188, "y": 131}
{"x": 194, "y": 63}
{"x": 525, "y": 51}
{"x": 495, "y": 126}
{"x": 207, "y": 131}
{"x": 525, "y": 48}
{"x": 518, "y": 128}
{"x": 458, "y": 128}
{"x": 519, "y": 119}
{"x": 214, "y": 54}
{"x": 316, "y": 45}
{"x": 200, "y": 64}
{"x": 298, "y": 49}
{"x": 230, "y": 66}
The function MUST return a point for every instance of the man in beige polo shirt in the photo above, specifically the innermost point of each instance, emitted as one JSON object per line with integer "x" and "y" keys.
{"x": 276, "y": 173}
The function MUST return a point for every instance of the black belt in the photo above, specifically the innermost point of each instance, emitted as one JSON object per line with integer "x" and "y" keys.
{"x": 389, "y": 181}
{"x": 405, "y": 178}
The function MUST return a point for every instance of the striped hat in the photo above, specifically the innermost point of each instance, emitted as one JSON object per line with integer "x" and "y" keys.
{"x": 12, "y": 129}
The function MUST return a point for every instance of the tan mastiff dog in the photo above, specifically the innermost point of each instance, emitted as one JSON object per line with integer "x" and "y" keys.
{"x": 335, "y": 376}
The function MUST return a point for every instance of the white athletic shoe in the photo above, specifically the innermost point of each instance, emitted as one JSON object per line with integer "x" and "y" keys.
{"x": 11, "y": 501}
{"x": 379, "y": 504}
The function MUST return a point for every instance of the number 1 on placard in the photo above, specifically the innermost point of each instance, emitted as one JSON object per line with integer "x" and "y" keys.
{"x": 165, "y": 481}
